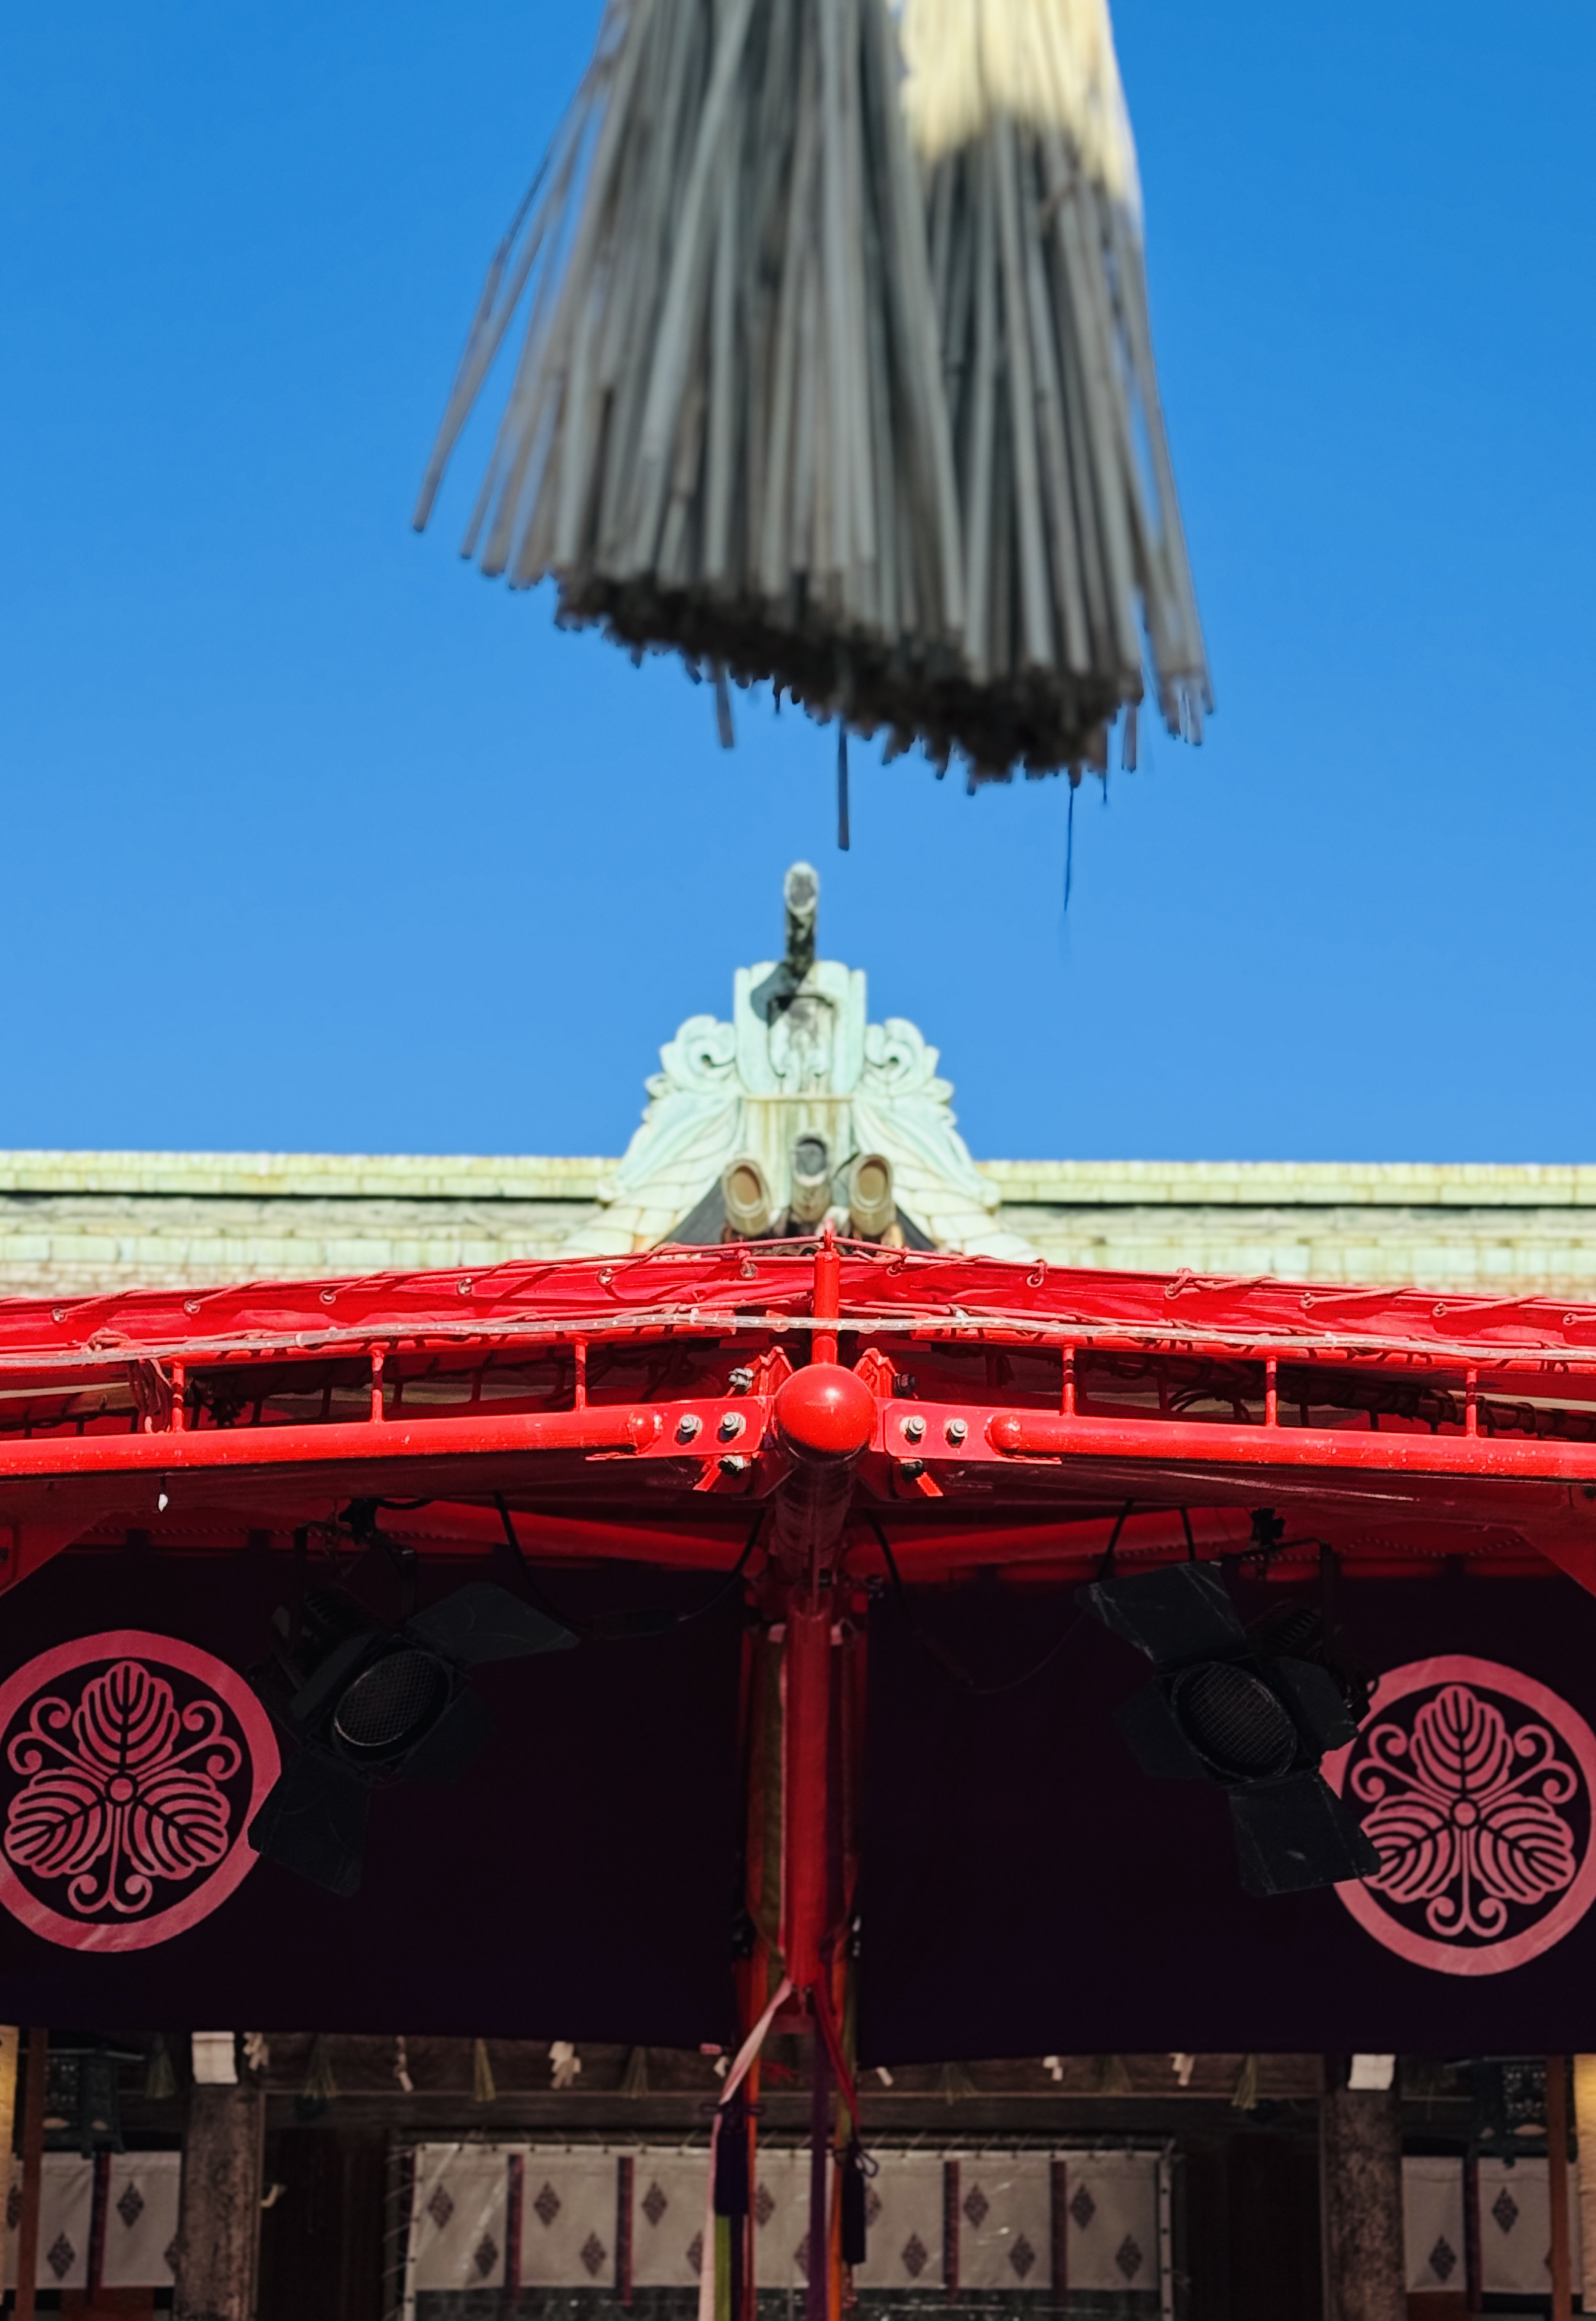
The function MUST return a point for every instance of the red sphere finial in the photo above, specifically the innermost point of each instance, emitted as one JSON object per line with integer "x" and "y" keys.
{"x": 825, "y": 1411}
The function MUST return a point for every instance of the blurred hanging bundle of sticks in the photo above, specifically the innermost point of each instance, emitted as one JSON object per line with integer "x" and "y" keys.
{"x": 837, "y": 372}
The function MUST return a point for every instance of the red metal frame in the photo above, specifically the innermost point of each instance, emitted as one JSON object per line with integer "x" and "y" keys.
{"x": 634, "y": 1398}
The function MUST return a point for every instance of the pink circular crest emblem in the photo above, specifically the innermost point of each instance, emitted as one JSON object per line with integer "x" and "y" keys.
{"x": 1476, "y": 1786}
{"x": 130, "y": 1767}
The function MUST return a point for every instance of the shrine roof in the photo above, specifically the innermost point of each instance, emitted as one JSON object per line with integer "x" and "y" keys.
{"x": 537, "y": 1176}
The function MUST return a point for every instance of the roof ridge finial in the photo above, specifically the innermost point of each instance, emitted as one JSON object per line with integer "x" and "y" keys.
{"x": 800, "y": 891}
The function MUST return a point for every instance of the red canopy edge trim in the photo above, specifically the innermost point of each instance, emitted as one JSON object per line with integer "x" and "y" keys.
{"x": 967, "y": 1323}
{"x": 694, "y": 1322}
{"x": 751, "y": 1287}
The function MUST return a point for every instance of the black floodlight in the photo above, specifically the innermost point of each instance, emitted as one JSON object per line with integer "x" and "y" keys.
{"x": 1254, "y": 1709}
{"x": 371, "y": 1704}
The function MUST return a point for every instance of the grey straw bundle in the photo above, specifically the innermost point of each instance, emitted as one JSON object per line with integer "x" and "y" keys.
{"x": 1075, "y": 560}
{"x": 803, "y": 406}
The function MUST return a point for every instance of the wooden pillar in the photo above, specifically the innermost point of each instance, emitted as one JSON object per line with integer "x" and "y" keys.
{"x": 10, "y": 2047}
{"x": 1584, "y": 2121}
{"x": 1557, "y": 2185}
{"x": 27, "y": 2233}
{"x": 219, "y": 2215}
{"x": 1360, "y": 2183}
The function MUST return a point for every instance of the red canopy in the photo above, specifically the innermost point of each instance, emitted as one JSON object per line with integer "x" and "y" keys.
{"x": 806, "y": 1419}
{"x": 625, "y": 1407}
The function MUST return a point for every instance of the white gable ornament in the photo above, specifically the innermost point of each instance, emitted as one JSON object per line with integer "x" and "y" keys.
{"x": 798, "y": 1109}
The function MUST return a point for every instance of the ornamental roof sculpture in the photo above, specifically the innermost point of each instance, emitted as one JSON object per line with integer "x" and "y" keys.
{"x": 798, "y": 1109}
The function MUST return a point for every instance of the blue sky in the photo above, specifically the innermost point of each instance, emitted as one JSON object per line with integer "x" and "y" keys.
{"x": 313, "y": 839}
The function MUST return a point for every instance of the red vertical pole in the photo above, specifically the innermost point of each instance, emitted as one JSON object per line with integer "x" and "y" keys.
{"x": 1058, "y": 2218}
{"x": 809, "y": 1797}
{"x": 750, "y": 2276}
{"x": 625, "y": 2185}
{"x": 951, "y": 2187}
{"x": 827, "y": 1297}
{"x": 807, "y": 1719}
{"x": 96, "y": 2224}
{"x": 824, "y": 1416}
{"x": 817, "y": 2297}
{"x": 1473, "y": 2263}
{"x": 514, "y": 2203}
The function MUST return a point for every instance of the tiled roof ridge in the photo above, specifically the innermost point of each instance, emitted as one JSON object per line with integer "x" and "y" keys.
{"x": 576, "y": 1177}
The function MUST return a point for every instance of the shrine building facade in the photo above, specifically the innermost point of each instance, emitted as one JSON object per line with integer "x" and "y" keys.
{"x": 410, "y": 2178}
